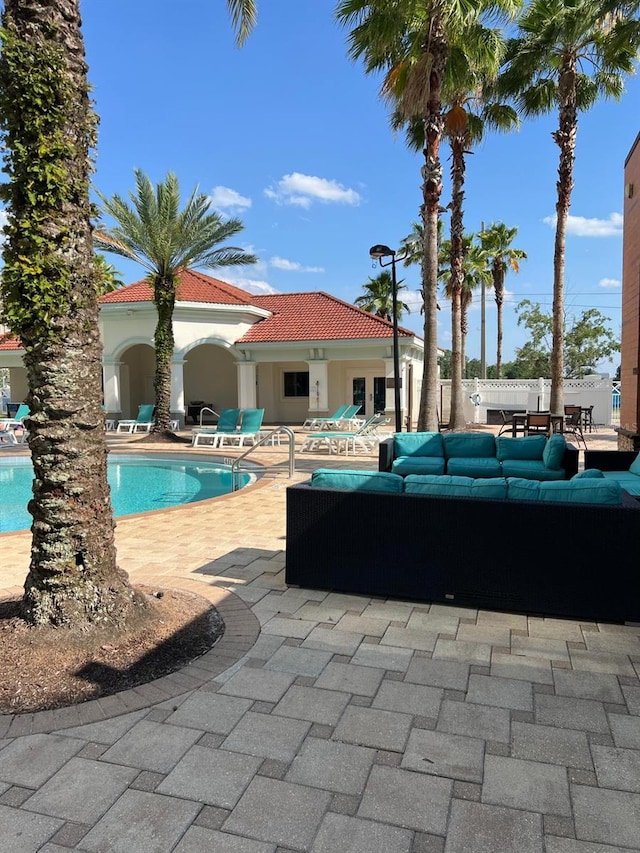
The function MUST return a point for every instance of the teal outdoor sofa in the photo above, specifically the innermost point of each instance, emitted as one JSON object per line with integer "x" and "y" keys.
{"x": 478, "y": 455}
{"x": 545, "y": 547}
{"x": 623, "y": 466}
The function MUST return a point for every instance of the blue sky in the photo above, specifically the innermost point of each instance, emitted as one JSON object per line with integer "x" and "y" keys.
{"x": 289, "y": 135}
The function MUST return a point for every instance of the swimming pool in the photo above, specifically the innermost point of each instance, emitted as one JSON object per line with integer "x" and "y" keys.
{"x": 138, "y": 484}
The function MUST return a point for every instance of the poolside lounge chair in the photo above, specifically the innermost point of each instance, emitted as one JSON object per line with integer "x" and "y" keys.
{"x": 319, "y": 423}
{"x": 143, "y": 422}
{"x": 248, "y": 430}
{"x": 364, "y": 439}
{"x": 227, "y": 424}
{"x": 8, "y": 426}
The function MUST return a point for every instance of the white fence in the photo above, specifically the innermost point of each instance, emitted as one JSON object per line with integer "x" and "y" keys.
{"x": 479, "y": 395}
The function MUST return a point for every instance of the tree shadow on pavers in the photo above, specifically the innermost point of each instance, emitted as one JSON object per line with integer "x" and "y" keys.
{"x": 242, "y": 562}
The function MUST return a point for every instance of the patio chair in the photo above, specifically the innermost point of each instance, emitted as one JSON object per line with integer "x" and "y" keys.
{"x": 538, "y": 423}
{"x": 366, "y": 438}
{"x": 143, "y": 422}
{"x": 317, "y": 423}
{"x": 227, "y": 424}
{"x": 573, "y": 424}
{"x": 8, "y": 426}
{"x": 249, "y": 429}
{"x": 348, "y": 420}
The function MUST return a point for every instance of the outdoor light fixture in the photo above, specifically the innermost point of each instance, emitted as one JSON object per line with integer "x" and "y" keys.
{"x": 379, "y": 252}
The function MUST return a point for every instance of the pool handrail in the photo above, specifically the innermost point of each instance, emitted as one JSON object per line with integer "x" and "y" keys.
{"x": 264, "y": 439}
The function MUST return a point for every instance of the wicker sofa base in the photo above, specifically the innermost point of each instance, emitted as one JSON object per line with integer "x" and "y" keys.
{"x": 566, "y": 560}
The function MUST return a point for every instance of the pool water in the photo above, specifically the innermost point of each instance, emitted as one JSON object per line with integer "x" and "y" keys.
{"x": 138, "y": 484}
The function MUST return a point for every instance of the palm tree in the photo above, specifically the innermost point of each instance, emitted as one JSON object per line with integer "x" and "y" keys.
{"x": 474, "y": 273}
{"x": 378, "y": 297}
{"x": 49, "y": 292}
{"x": 50, "y": 288}
{"x": 410, "y": 42}
{"x": 164, "y": 240}
{"x": 496, "y": 243}
{"x": 566, "y": 56}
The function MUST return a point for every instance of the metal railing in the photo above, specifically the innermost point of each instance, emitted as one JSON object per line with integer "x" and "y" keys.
{"x": 265, "y": 439}
{"x": 207, "y": 409}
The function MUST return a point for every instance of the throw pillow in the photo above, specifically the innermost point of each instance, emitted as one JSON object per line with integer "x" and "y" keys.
{"x": 589, "y": 474}
{"x": 554, "y": 451}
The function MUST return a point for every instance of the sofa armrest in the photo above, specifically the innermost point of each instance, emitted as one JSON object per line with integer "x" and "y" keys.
{"x": 609, "y": 460}
{"x": 385, "y": 454}
{"x": 570, "y": 461}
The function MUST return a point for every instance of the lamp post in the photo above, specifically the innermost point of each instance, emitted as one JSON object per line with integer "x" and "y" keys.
{"x": 379, "y": 252}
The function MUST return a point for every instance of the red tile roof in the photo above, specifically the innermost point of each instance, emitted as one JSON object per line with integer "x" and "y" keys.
{"x": 9, "y": 342}
{"x": 192, "y": 287}
{"x": 315, "y": 316}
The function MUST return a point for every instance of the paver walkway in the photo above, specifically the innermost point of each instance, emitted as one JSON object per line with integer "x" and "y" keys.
{"x": 331, "y": 723}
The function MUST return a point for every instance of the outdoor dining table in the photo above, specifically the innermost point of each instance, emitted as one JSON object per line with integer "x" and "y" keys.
{"x": 519, "y": 422}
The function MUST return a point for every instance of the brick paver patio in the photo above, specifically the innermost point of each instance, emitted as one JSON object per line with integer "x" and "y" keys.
{"x": 331, "y": 723}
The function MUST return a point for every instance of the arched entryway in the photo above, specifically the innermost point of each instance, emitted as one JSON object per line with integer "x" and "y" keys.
{"x": 137, "y": 371}
{"x": 210, "y": 378}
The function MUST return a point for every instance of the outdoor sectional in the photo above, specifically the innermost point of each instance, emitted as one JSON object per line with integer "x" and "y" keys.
{"x": 474, "y": 454}
{"x": 622, "y": 466}
{"x": 448, "y": 541}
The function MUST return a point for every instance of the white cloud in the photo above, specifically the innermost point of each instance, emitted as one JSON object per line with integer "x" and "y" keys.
{"x": 227, "y": 200}
{"x": 610, "y": 282}
{"x": 302, "y": 190}
{"x": 580, "y": 226}
{"x": 251, "y": 285}
{"x": 292, "y": 266}
{"x": 3, "y": 222}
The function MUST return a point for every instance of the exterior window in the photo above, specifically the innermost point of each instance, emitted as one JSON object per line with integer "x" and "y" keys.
{"x": 296, "y": 383}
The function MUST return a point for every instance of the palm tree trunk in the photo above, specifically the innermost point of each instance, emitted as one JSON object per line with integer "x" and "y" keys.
{"x": 431, "y": 190}
{"x": 565, "y": 138}
{"x": 457, "y": 419}
{"x": 165, "y": 298}
{"x": 50, "y": 291}
{"x": 498, "y": 290}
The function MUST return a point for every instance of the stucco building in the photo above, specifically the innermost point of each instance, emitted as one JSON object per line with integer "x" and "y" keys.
{"x": 293, "y": 354}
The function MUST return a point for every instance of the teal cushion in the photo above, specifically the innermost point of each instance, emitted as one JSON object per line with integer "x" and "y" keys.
{"x": 519, "y": 489}
{"x": 470, "y": 445}
{"x": 482, "y": 467}
{"x": 529, "y": 447}
{"x": 431, "y": 484}
{"x": 418, "y": 465}
{"x": 554, "y": 451}
{"x": 629, "y": 482}
{"x": 587, "y": 491}
{"x": 531, "y": 469}
{"x": 589, "y": 474}
{"x": 363, "y": 481}
{"x": 418, "y": 444}
{"x": 606, "y": 492}
{"x": 635, "y": 465}
{"x": 453, "y": 486}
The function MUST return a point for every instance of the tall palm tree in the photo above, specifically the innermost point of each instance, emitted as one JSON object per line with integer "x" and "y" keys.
{"x": 49, "y": 293}
{"x": 409, "y": 41}
{"x": 378, "y": 297}
{"x": 164, "y": 240}
{"x": 475, "y": 272}
{"x": 500, "y": 255}
{"x": 567, "y": 55}
{"x": 50, "y": 288}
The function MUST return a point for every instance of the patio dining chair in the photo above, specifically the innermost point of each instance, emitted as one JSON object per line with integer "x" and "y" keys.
{"x": 538, "y": 423}
{"x": 573, "y": 424}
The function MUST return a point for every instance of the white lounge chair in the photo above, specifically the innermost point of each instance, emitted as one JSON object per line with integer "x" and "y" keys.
{"x": 228, "y": 421}
{"x": 143, "y": 422}
{"x": 365, "y": 439}
{"x": 324, "y": 422}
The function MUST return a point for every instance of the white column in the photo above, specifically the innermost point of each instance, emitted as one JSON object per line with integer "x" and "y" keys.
{"x": 111, "y": 384}
{"x": 246, "y": 384}
{"x": 318, "y": 386}
{"x": 177, "y": 390}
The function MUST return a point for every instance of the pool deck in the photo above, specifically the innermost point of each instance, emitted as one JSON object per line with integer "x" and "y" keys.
{"x": 330, "y": 723}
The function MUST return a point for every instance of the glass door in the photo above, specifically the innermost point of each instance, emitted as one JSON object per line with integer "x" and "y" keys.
{"x": 369, "y": 392}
